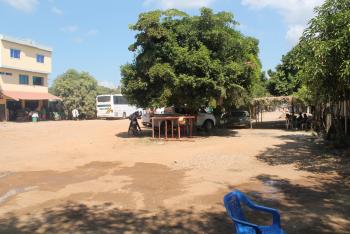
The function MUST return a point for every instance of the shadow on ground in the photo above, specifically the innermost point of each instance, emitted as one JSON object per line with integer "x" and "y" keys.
{"x": 321, "y": 207}
{"x": 79, "y": 218}
{"x": 278, "y": 124}
{"x": 147, "y": 133}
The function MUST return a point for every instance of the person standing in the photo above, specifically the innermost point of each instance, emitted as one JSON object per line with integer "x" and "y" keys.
{"x": 75, "y": 114}
{"x": 43, "y": 113}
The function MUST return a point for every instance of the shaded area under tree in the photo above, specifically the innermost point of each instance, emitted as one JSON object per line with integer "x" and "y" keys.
{"x": 323, "y": 207}
{"x": 80, "y": 218}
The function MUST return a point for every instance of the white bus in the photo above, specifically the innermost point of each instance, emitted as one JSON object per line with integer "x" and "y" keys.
{"x": 113, "y": 106}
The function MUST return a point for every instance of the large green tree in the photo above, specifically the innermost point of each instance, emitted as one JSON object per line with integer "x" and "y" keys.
{"x": 320, "y": 63}
{"x": 77, "y": 90}
{"x": 190, "y": 61}
{"x": 326, "y": 52}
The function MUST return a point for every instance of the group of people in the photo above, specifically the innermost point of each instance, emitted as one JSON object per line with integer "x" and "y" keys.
{"x": 302, "y": 121}
{"x": 26, "y": 114}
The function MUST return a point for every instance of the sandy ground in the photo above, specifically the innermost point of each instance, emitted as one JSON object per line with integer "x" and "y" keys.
{"x": 90, "y": 177}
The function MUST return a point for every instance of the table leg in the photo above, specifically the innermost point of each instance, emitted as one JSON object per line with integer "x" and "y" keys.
{"x": 152, "y": 128}
{"x": 178, "y": 129}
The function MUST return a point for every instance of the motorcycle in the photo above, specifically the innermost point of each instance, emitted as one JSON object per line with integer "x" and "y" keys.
{"x": 134, "y": 127}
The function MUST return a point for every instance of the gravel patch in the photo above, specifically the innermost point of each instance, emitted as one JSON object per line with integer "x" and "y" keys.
{"x": 210, "y": 161}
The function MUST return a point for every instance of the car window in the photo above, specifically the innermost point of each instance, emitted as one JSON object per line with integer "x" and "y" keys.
{"x": 180, "y": 110}
{"x": 238, "y": 114}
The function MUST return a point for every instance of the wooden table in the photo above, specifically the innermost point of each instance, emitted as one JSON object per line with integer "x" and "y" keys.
{"x": 165, "y": 119}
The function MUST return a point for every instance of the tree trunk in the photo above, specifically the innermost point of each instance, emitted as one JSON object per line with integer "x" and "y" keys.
{"x": 345, "y": 118}
{"x": 250, "y": 114}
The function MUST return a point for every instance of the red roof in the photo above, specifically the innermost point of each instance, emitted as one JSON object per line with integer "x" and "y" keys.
{"x": 29, "y": 95}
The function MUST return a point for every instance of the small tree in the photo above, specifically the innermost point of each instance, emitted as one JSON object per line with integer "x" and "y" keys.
{"x": 286, "y": 79}
{"x": 77, "y": 90}
{"x": 190, "y": 61}
{"x": 259, "y": 88}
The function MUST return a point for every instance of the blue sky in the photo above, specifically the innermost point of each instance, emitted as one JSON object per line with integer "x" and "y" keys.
{"x": 93, "y": 35}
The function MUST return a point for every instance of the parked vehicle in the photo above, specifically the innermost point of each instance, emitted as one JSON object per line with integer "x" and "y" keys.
{"x": 236, "y": 118}
{"x": 114, "y": 106}
{"x": 204, "y": 119}
{"x": 147, "y": 115}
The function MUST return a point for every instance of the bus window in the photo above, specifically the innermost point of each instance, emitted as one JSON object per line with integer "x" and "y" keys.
{"x": 120, "y": 100}
{"x": 104, "y": 99}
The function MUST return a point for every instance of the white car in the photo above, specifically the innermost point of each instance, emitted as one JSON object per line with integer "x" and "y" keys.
{"x": 204, "y": 119}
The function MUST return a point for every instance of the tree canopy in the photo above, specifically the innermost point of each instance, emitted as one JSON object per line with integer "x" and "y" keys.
{"x": 259, "y": 88}
{"x": 286, "y": 79}
{"x": 325, "y": 52}
{"x": 106, "y": 90}
{"x": 318, "y": 67}
{"x": 190, "y": 61}
{"x": 77, "y": 90}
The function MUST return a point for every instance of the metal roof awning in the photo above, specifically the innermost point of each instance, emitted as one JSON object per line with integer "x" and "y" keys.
{"x": 17, "y": 95}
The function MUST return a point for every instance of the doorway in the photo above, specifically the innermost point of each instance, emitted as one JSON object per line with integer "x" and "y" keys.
{"x": 2, "y": 112}
{"x": 13, "y": 107}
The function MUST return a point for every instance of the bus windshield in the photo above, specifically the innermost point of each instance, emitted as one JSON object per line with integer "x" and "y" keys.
{"x": 119, "y": 100}
{"x": 104, "y": 99}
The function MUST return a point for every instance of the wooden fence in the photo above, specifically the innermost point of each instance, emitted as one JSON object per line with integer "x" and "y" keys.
{"x": 333, "y": 115}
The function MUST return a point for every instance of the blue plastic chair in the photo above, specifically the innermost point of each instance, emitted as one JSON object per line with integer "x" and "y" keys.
{"x": 233, "y": 201}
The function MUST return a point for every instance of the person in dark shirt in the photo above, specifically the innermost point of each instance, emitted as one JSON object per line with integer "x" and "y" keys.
{"x": 299, "y": 120}
{"x": 133, "y": 121}
{"x": 305, "y": 122}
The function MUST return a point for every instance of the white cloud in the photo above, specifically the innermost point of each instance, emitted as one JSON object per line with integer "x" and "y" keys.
{"x": 92, "y": 32}
{"x": 70, "y": 28}
{"x": 56, "y": 10}
{"x": 182, "y": 4}
{"x": 78, "y": 40}
{"x": 294, "y": 33}
{"x": 296, "y": 13}
{"x": 22, "y": 5}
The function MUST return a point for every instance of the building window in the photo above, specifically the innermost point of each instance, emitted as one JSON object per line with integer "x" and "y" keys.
{"x": 38, "y": 80}
{"x": 15, "y": 53}
{"x": 6, "y": 73}
{"x": 40, "y": 58}
{"x": 23, "y": 79}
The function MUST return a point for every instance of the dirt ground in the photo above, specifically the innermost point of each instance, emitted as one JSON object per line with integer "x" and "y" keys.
{"x": 90, "y": 177}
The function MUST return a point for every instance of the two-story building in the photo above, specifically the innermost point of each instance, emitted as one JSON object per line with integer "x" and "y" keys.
{"x": 24, "y": 70}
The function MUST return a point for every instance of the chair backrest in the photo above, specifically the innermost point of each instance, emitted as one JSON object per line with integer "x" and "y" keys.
{"x": 233, "y": 201}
